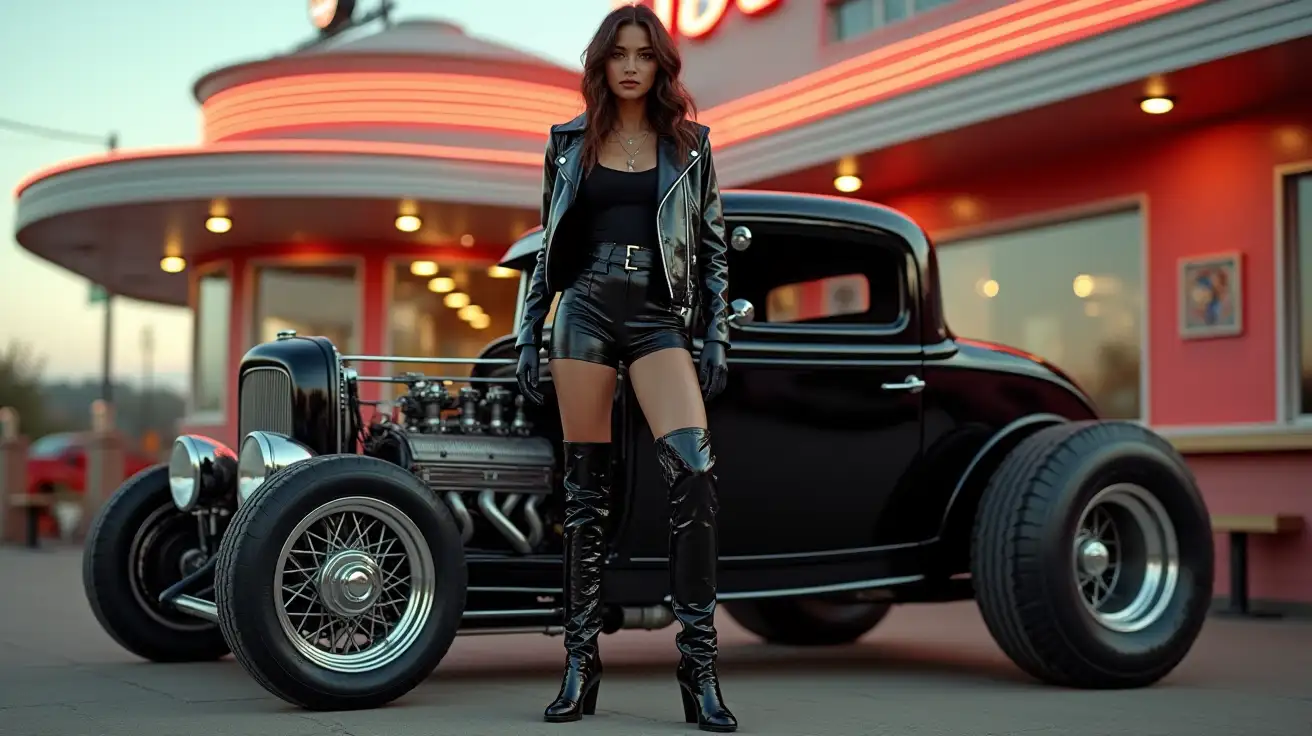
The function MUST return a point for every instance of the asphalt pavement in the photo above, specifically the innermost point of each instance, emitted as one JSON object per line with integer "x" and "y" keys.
{"x": 927, "y": 670}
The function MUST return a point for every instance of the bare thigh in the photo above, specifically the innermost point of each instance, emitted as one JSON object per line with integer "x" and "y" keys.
{"x": 668, "y": 391}
{"x": 586, "y": 392}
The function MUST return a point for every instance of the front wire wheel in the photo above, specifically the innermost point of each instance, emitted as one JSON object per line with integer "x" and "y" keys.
{"x": 354, "y": 584}
{"x": 341, "y": 583}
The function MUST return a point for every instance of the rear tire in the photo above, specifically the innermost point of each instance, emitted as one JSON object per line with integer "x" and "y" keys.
{"x": 341, "y": 583}
{"x": 1093, "y": 556}
{"x": 807, "y": 622}
{"x": 134, "y": 551}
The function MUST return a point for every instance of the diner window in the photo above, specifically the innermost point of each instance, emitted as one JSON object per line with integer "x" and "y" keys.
{"x": 210, "y": 336}
{"x": 1070, "y": 292}
{"x": 851, "y": 18}
{"x": 794, "y": 276}
{"x": 312, "y": 300}
{"x": 451, "y": 313}
{"x": 1300, "y": 296}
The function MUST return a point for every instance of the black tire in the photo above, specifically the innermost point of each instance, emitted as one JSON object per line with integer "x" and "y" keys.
{"x": 247, "y": 597}
{"x": 134, "y": 552}
{"x": 807, "y": 622}
{"x": 1024, "y": 559}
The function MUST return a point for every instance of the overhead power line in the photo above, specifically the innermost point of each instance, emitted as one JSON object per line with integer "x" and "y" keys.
{"x": 44, "y": 131}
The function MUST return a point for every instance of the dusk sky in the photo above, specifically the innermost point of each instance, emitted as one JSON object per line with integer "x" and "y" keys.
{"x": 128, "y": 66}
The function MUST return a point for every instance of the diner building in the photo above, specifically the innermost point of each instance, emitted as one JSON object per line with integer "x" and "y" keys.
{"x": 1123, "y": 187}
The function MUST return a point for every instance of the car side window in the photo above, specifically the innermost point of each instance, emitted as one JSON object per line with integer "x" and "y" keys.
{"x": 800, "y": 274}
{"x": 817, "y": 300}
{"x": 52, "y": 445}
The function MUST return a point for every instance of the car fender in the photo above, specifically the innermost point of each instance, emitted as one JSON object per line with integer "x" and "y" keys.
{"x": 959, "y": 514}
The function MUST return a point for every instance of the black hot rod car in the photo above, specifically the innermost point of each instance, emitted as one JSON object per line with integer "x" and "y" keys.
{"x": 867, "y": 457}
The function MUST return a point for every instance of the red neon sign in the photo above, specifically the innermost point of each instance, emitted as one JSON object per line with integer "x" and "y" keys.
{"x": 697, "y": 18}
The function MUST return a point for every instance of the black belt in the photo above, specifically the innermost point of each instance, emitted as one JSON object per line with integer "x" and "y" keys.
{"x": 631, "y": 257}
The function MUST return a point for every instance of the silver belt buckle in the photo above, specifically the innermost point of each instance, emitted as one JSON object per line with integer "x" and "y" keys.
{"x": 628, "y": 253}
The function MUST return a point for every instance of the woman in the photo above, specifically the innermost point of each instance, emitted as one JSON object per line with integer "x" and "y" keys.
{"x": 633, "y": 238}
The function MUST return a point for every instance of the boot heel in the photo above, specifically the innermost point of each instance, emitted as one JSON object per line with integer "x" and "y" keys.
{"x": 590, "y": 700}
{"x": 689, "y": 705}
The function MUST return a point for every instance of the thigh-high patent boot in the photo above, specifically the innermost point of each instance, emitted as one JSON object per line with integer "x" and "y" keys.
{"x": 587, "y": 502}
{"x": 686, "y": 461}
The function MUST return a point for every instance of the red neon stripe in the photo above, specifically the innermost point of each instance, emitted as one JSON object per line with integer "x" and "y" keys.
{"x": 364, "y": 114}
{"x": 369, "y": 81}
{"x": 362, "y": 148}
{"x": 904, "y": 48}
{"x": 494, "y": 104}
{"x": 800, "y": 101}
{"x": 404, "y": 105}
{"x": 405, "y": 99}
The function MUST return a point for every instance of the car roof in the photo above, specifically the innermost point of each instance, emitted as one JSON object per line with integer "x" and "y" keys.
{"x": 755, "y": 204}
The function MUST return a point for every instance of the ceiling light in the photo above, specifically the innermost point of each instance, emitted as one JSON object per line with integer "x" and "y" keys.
{"x": 456, "y": 300}
{"x": 1157, "y": 105}
{"x": 847, "y": 183}
{"x": 480, "y": 322}
{"x": 172, "y": 264}
{"x": 501, "y": 272}
{"x": 423, "y": 268}
{"x": 218, "y": 224}
{"x": 469, "y": 312}
{"x": 467, "y": 240}
{"x": 847, "y": 176}
{"x": 989, "y": 288}
{"x": 1083, "y": 285}
{"x": 442, "y": 284}
{"x": 408, "y": 223}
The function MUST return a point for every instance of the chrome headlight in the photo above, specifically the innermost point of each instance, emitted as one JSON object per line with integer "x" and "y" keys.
{"x": 202, "y": 471}
{"x": 263, "y": 454}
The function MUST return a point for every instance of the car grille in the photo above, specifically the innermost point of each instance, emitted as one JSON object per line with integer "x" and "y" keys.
{"x": 266, "y": 401}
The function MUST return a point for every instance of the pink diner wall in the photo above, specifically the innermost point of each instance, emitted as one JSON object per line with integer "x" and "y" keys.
{"x": 1279, "y": 568}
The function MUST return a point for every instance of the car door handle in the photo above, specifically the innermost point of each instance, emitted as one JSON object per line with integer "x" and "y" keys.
{"x": 913, "y": 384}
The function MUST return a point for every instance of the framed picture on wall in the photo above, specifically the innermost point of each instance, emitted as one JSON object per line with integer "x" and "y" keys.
{"x": 1211, "y": 294}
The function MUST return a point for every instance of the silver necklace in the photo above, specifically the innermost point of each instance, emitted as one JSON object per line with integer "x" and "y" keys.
{"x": 633, "y": 155}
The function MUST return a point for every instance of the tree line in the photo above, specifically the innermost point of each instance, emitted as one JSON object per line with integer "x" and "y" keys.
{"x": 65, "y": 406}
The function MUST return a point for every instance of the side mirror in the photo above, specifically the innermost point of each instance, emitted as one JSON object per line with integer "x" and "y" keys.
{"x": 743, "y": 312}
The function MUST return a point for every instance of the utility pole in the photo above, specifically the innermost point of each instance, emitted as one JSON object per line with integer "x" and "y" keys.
{"x": 149, "y": 438}
{"x": 107, "y": 333}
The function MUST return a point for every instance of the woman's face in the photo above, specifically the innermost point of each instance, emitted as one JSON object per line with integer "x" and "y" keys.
{"x": 632, "y": 67}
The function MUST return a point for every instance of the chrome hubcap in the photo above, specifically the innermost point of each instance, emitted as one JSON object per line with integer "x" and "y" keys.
{"x": 354, "y": 584}
{"x": 1094, "y": 557}
{"x": 1126, "y": 558}
{"x": 350, "y": 583}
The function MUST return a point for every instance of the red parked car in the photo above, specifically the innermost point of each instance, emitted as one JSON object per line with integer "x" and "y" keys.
{"x": 60, "y": 460}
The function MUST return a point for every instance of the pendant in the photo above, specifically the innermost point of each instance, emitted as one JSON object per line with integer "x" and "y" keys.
{"x": 630, "y": 164}
{"x": 630, "y": 141}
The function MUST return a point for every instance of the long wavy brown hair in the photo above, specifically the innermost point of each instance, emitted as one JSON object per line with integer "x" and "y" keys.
{"x": 669, "y": 104}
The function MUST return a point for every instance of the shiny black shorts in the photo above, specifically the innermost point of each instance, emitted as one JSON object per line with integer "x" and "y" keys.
{"x": 617, "y": 309}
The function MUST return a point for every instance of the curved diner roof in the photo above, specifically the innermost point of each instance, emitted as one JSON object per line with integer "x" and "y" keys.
{"x": 324, "y": 145}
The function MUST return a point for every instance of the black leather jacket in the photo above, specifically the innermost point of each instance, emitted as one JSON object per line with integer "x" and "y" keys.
{"x": 689, "y": 225}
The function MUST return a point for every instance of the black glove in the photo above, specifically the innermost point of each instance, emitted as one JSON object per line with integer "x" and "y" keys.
{"x": 714, "y": 370}
{"x": 527, "y": 373}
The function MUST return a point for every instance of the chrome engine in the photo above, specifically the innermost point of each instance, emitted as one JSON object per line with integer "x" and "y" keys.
{"x": 475, "y": 451}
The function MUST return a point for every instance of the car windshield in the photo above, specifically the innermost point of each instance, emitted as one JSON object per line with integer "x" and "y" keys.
{"x": 51, "y": 445}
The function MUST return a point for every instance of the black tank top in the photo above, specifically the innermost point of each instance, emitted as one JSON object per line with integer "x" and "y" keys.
{"x": 621, "y": 206}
